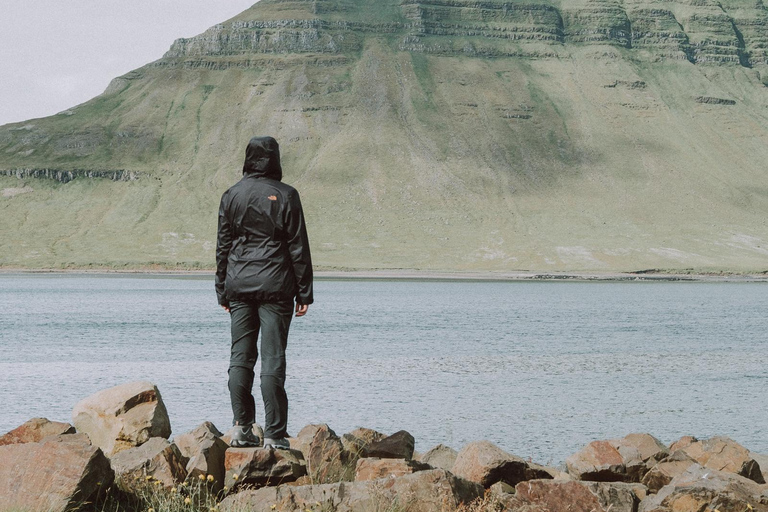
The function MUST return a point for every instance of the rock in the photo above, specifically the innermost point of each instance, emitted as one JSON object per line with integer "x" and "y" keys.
{"x": 725, "y": 454}
{"x": 666, "y": 469}
{"x": 357, "y": 441}
{"x": 35, "y": 430}
{"x": 485, "y": 463}
{"x": 762, "y": 460}
{"x": 397, "y": 446}
{"x": 573, "y": 496}
{"x": 682, "y": 443}
{"x": 122, "y": 417}
{"x": 209, "y": 461}
{"x": 189, "y": 442}
{"x": 617, "y": 460}
{"x": 205, "y": 450}
{"x": 700, "y": 488}
{"x": 374, "y": 468}
{"x": 157, "y": 458}
{"x": 61, "y": 473}
{"x": 327, "y": 460}
{"x": 262, "y": 467}
{"x": 502, "y": 488}
{"x": 440, "y": 457}
{"x": 425, "y": 491}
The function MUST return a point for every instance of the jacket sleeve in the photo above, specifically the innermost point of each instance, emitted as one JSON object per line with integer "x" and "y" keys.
{"x": 223, "y": 246}
{"x": 298, "y": 246}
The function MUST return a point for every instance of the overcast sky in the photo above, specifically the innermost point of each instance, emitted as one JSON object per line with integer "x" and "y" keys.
{"x": 58, "y": 53}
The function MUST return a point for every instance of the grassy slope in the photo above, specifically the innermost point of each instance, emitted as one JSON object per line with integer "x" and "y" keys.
{"x": 407, "y": 160}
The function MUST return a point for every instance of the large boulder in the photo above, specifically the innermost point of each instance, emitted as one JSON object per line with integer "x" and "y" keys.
{"x": 617, "y": 460}
{"x": 722, "y": 454}
{"x": 61, "y": 473}
{"x": 700, "y": 488}
{"x": 35, "y": 430}
{"x": 399, "y": 445}
{"x": 157, "y": 458}
{"x": 373, "y": 469}
{"x": 258, "y": 467}
{"x": 327, "y": 460}
{"x": 425, "y": 491}
{"x": 666, "y": 469}
{"x": 485, "y": 463}
{"x": 572, "y": 496}
{"x": 357, "y": 441}
{"x": 440, "y": 457}
{"x": 122, "y": 417}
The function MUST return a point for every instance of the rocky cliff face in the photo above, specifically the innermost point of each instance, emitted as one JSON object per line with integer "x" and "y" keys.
{"x": 700, "y": 31}
{"x": 438, "y": 134}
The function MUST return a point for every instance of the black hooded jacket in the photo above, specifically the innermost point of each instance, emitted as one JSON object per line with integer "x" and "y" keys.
{"x": 262, "y": 251}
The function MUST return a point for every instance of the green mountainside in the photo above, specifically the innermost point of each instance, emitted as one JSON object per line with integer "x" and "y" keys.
{"x": 605, "y": 135}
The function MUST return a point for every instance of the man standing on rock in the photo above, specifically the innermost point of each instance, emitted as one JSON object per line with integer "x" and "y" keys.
{"x": 263, "y": 265}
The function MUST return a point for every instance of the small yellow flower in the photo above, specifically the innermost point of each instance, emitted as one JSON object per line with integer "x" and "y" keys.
{"x": 273, "y": 507}
{"x": 158, "y": 482}
{"x": 210, "y": 478}
{"x": 150, "y": 509}
{"x": 317, "y": 503}
{"x": 187, "y": 501}
{"x": 235, "y": 476}
{"x": 214, "y": 509}
{"x": 148, "y": 478}
{"x": 225, "y": 488}
{"x": 201, "y": 477}
{"x": 182, "y": 484}
{"x": 749, "y": 506}
{"x": 173, "y": 489}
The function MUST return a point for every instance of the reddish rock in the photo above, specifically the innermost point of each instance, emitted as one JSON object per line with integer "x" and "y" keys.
{"x": 35, "y": 430}
{"x": 122, "y": 417}
{"x": 617, "y": 460}
{"x": 440, "y": 457}
{"x": 425, "y": 491}
{"x": 262, "y": 467}
{"x": 682, "y": 443}
{"x": 397, "y": 446}
{"x": 573, "y": 496}
{"x": 699, "y": 489}
{"x": 485, "y": 463}
{"x": 188, "y": 443}
{"x": 373, "y": 468}
{"x": 61, "y": 473}
{"x": 327, "y": 460}
{"x": 157, "y": 458}
{"x": 357, "y": 441}
{"x": 724, "y": 454}
{"x": 666, "y": 469}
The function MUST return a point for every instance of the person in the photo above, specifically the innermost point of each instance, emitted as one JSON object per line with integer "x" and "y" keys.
{"x": 263, "y": 266}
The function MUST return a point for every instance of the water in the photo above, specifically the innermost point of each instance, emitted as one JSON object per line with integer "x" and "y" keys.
{"x": 539, "y": 368}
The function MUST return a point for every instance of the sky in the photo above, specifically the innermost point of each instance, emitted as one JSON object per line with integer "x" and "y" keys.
{"x": 56, "y": 54}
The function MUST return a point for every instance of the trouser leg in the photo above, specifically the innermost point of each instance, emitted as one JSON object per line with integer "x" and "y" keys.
{"x": 275, "y": 319}
{"x": 245, "y": 330}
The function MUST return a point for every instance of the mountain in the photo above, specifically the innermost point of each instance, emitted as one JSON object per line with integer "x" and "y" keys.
{"x": 602, "y": 135}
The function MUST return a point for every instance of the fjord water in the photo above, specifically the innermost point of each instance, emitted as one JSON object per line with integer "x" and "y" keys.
{"x": 540, "y": 368}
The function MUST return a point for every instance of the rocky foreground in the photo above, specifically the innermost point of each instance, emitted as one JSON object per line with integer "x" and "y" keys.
{"x": 120, "y": 441}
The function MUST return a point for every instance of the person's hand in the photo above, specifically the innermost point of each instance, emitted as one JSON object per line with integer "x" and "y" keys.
{"x": 301, "y": 309}
{"x": 226, "y": 308}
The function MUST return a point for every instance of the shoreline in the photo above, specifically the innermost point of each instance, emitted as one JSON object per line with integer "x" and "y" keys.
{"x": 434, "y": 275}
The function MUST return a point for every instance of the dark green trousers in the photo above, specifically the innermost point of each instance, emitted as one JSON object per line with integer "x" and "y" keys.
{"x": 273, "y": 321}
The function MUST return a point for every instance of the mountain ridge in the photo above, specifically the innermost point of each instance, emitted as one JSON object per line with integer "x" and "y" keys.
{"x": 436, "y": 135}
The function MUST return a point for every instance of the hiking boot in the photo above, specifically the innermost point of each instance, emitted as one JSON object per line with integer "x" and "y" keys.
{"x": 277, "y": 444}
{"x": 243, "y": 436}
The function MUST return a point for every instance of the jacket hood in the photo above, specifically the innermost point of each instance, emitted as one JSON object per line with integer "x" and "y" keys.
{"x": 262, "y": 158}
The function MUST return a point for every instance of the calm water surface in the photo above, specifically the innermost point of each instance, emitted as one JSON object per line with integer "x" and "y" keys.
{"x": 539, "y": 368}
